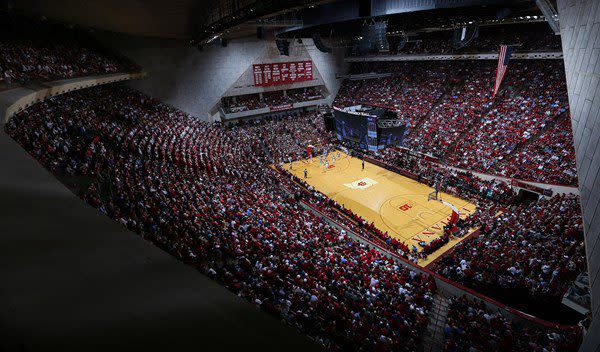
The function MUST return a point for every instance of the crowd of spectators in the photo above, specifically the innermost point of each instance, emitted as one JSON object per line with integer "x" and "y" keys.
{"x": 242, "y": 103}
{"x": 206, "y": 194}
{"x": 289, "y": 137}
{"x": 457, "y": 111}
{"x": 270, "y": 99}
{"x": 551, "y": 153}
{"x": 32, "y": 50}
{"x": 437, "y": 44}
{"x": 491, "y": 196}
{"x": 529, "y": 253}
{"x": 449, "y": 113}
{"x": 470, "y": 326}
{"x": 411, "y": 89}
{"x": 203, "y": 193}
{"x": 463, "y": 184}
{"x": 535, "y": 95}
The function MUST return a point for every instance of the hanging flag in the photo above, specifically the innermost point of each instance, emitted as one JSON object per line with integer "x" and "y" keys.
{"x": 503, "y": 58}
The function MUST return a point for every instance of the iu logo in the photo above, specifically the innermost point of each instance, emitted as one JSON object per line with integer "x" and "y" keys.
{"x": 363, "y": 183}
{"x": 405, "y": 207}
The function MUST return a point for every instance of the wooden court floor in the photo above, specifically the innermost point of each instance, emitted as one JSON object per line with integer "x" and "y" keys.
{"x": 394, "y": 203}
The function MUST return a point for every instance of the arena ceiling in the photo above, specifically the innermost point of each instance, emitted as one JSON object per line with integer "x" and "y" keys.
{"x": 202, "y": 19}
{"x": 181, "y": 19}
{"x": 153, "y": 18}
{"x": 407, "y": 15}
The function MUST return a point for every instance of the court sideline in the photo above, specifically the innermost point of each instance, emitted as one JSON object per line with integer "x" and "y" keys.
{"x": 396, "y": 204}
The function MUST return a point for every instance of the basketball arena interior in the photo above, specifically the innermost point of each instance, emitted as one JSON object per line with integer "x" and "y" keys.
{"x": 297, "y": 175}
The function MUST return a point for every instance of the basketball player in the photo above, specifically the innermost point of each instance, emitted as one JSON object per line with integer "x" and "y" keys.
{"x": 339, "y": 155}
{"x": 305, "y": 173}
{"x": 326, "y": 165}
{"x": 363, "y": 164}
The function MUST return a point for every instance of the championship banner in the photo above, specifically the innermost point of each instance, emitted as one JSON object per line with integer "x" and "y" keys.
{"x": 282, "y": 73}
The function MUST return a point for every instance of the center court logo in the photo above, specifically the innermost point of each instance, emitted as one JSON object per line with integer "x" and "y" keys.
{"x": 363, "y": 183}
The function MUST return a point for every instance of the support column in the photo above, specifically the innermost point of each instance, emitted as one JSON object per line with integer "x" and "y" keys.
{"x": 580, "y": 32}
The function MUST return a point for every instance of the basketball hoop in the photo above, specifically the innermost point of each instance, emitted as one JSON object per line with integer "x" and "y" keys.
{"x": 432, "y": 196}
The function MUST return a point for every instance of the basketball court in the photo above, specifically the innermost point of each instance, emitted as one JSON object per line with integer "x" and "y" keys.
{"x": 394, "y": 203}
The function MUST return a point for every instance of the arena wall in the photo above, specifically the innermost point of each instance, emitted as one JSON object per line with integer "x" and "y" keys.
{"x": 329, "y": 66}
{"x": 194, "y": 80}
{"x": 579, "y": 23}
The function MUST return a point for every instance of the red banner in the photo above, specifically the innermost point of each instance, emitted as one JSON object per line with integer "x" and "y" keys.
{"x": 282, "y": 73}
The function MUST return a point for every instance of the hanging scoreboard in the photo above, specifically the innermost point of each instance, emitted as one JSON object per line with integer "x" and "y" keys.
{"x": 368, "y": 128}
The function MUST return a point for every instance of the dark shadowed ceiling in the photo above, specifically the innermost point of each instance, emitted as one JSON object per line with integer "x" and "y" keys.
{"x": 202, "y": 19}
{"x": 154, "y": 18}
{"x": 181, "y": 19}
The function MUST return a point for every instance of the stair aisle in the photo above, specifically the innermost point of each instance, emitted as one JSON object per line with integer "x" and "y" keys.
{"x": 433, "y": 340}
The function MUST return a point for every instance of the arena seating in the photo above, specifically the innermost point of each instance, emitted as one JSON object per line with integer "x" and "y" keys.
{"x": 463, "y": 184}
{"x": 458, "y": 110}
{"x": 220, "y": 197}
{"x": 254, "y": 101}
{"x": 551, "y": 154}
{"x": 470, "y": 326}
{"x": 203, "y": 193}
{"x": 529, "y": 253}
{"x": 32, "y": 50}
{"x": 242, "y": 103}
{"x": 289, "y": 136}
{"x": 411, "y": 90}
{"x": 532, "y": 99}
{"x": 206, "y": 194}
{"x": 492, "y": 197}
{"x": 454, "y": 117}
